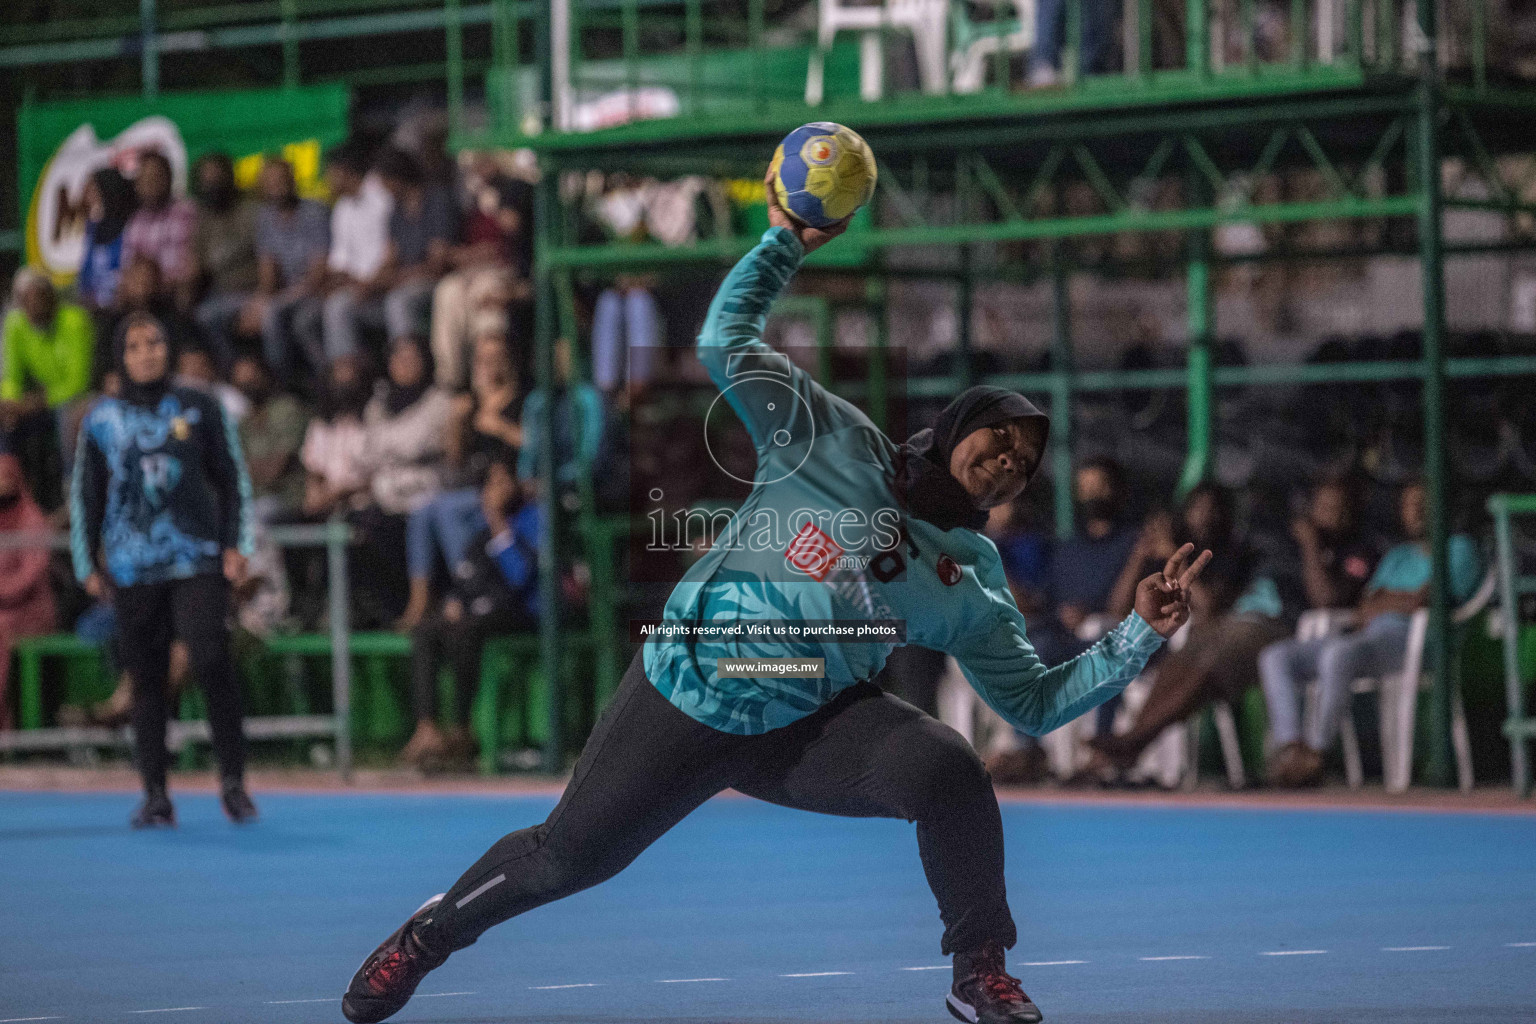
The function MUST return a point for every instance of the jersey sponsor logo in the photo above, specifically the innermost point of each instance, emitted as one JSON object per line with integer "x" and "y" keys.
{"x": 949, "y": 572}
{"x": 813, "y": 552}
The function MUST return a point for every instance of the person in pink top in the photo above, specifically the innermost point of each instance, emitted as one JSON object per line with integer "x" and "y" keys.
{"x": 162, "y": 227}
{"x": 26, "y": 602}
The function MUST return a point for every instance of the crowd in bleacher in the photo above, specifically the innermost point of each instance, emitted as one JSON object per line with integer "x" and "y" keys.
{"x": 373, "y": 358}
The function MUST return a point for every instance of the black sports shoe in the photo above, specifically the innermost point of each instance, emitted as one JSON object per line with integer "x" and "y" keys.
{"x": 985, "y": 993}
{"x": 155, "y": 812}
{"x": 388, "y": 978}
{"x": 238, "y": 807}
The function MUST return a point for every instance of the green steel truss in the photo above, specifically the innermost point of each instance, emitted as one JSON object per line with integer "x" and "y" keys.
{"x": 1175, "y": 152}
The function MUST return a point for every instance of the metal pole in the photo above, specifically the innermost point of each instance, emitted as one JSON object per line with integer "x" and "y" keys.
{"x": 1510, "y": 609}
{"x": 1432, "y": 262}
{"x": 1433, "y": 358}
{"x": 544, "y": 227}
{"x": 341, "y": 643}
{"x": 149, "y": 55}
{"x": 1061, "y": 393}
{"x": 289, "y": 10}
{"x": 1197, "y": 44}
{"x": 1197, "y": 460}
{"x": 453, "y": 31}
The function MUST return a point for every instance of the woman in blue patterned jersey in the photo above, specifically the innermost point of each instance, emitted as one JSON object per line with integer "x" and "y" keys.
{"x": 684, "y": 725}
{"x": 160, "y": 519}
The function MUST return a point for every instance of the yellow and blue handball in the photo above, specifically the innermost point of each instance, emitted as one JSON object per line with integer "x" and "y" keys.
{"x": 823, "y": 172}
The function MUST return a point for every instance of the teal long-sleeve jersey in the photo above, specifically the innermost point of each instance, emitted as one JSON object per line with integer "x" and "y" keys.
{"x": 822, "y": 538}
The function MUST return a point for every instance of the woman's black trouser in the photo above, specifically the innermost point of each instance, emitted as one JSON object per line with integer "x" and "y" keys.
{"x": 647, "y": 765}
{"x": 460, "y": 643}
{"x": 196, "y": 612}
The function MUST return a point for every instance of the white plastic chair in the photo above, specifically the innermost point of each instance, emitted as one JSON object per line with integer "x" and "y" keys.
{"x": 975, "y": 45}
{"x": 926, "y": 21}
{"x": 1399, "y": 696}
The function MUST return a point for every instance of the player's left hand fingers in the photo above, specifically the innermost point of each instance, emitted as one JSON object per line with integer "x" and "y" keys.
{"x": 1176, "y": 561}
{"x": 1189, "y": 575}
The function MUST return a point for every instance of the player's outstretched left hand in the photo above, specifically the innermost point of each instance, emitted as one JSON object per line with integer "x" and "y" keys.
{"x": 811, "y": 238}
{"x": 1163, "y": 598}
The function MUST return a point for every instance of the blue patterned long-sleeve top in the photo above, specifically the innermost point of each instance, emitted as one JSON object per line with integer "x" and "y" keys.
{"x": 158, "y": 492}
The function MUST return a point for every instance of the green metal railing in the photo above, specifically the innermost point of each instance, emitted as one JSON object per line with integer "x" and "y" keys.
{"x": 1519, "y": 727}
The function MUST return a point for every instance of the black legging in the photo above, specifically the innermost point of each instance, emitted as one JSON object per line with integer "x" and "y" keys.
{"x": 647, "y": 765}
{"x": 195, "y": 611}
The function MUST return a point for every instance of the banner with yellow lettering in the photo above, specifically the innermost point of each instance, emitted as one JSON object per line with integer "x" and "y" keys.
{"x": 59, "y": 145}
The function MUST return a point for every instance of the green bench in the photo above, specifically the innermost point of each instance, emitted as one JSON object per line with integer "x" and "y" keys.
{"x": 85, "y": 673}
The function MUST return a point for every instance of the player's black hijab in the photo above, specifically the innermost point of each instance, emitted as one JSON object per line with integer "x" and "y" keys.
{"x": 923, "y": 481}
{"x": 143, "y": 393}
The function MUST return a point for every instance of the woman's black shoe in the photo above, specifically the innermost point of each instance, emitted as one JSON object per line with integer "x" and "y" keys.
{"x": 985, "y": 993}
{"x": 388, "y": 978}
{"x": 237, "y": 803}
{"x": 155, "y": 812}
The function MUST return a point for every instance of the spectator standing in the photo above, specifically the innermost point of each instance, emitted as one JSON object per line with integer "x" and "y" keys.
{"x": 359, "y": 244}
{"x": 483, "y": 431}
{"x": 494, "y": 591}
{"x": 293, "y": 238}
{"x": 1398, "y": 588}
{"x": 422, "y": 228}
{"x": 488, "y": 274}
{"x": 109, "y": 202}
{"x": 271, "y": 435}
{"x": 1235, "y": 613}
{"x": 161, "y": 229}
{"x": 160, "y": 514}
{"x": 26, "y": 602}
{"x": 224, "y": 249}
{"x": 578, "y": 416}
{"x": 626, "y": 334}
{"x": 1098, "y": 29}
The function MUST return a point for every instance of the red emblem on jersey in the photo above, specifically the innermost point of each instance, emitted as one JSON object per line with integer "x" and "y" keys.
{"x": 813, "y": 552}
{"x": 948, "y": 571}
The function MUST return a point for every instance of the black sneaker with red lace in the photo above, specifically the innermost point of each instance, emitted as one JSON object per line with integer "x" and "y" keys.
{"x": 388, "y": 978}
{"x": 985, "y": 993}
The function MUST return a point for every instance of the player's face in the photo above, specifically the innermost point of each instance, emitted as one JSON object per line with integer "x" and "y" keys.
{"x": 994, "y": 463}
{"x": 145, "y": 354}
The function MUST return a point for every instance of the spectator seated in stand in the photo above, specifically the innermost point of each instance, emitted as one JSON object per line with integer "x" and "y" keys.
{"x": 422, "y": 229}
{"x": 293, "y": 238}
{"x": 1236, "y": 612}
{"x": 47, "y": 351}
{"x": 494, "y": 591}
{"x": 489, "y": 273}
{"x": 161, "y": 229}
{"x": 359, "y": 244}
{"x": 335, "y": 472}
{"x": 405, "y": 426}
{"x": 271, "y": 435}
{"x": 1079, "y": 577}
{"x": 26, "y": 602}
{"x": 109, "y": 202}
{"x": 578, "y": 421}
{"x": 484, "y": 430}
{"x": 141, "y": 289}
{"x": 196, "y": 369}
{"x": 224, "y": 256}
{"x": 1398, "y": 587}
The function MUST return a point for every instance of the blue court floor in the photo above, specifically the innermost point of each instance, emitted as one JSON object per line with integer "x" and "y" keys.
{"x": 751, "y": 914}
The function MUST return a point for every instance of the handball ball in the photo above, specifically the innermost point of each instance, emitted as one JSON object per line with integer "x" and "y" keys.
{"x": 822, "y": 172}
